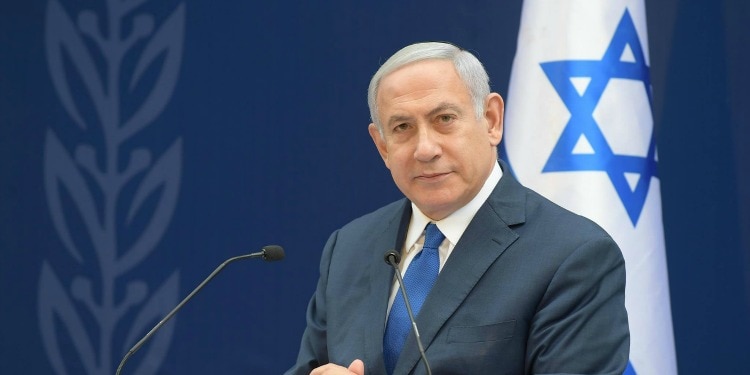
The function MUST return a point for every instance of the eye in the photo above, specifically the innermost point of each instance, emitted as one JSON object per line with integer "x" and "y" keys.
{"x": 445, "y": 119}
{"x": 400, "y": 127}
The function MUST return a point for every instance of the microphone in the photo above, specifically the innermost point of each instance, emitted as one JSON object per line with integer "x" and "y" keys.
{"x": 269, "y": 253}
{"x": 392, "y": 258}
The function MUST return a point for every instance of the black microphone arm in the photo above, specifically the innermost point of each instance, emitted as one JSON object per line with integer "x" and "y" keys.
{"x": 269, "y": 253}
{"x": 393, "y": 259}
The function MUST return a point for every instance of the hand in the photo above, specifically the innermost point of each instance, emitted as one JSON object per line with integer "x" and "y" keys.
{"x": 355, "y": 368}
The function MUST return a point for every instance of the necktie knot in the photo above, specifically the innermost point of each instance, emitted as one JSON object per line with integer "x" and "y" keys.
{"x": 433, "y": 237}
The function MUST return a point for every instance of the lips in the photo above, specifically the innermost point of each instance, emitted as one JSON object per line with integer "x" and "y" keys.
{"x": 432, "y": 176}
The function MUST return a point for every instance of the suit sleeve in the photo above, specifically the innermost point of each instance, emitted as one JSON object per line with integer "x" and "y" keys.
{"x": 314, "y": 348}
{"x": 581, "y": 325}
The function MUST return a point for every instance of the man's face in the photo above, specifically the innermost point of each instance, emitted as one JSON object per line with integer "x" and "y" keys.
{"x": 438, "y": 152}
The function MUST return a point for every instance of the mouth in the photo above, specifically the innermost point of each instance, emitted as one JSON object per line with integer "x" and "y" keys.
{"x": 432, "y": 177}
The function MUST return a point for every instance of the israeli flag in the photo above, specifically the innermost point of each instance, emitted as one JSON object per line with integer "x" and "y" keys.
{"x": 579, "y": 130}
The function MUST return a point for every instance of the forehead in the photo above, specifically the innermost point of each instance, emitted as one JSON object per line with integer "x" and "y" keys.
{"x": 420, "y": 81}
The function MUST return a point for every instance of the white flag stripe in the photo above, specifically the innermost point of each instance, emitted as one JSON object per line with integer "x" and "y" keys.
{"x": 582, "y": 135}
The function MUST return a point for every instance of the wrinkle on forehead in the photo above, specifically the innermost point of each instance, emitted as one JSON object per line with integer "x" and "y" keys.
{"x": 414, "y": 95}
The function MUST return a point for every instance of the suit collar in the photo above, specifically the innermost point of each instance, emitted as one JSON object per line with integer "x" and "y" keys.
{"x": 508, "y": 200}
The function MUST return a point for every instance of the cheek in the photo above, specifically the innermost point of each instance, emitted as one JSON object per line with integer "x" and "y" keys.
{"x": 397, "y": 157}
{"x": 400, "y": 168}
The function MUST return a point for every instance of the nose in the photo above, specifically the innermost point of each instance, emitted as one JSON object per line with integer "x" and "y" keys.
{"x": 428, "y": 145}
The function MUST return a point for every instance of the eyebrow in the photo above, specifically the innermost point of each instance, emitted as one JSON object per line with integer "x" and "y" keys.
{"x": 443, "y": 106}
{"x": 399, "y": 118}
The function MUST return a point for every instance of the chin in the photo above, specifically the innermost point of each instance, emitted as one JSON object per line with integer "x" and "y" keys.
{"x": 435, "y": 210}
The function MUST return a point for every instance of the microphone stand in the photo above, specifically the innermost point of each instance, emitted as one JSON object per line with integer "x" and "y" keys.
{"x": 393, "y": 259}
{"x": 270, "y": 253}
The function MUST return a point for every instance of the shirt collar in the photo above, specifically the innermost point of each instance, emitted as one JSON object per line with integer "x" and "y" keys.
{"x": 454, "y": 225}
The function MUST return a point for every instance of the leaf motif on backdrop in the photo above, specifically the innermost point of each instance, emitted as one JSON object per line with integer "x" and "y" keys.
{"x": 158, "y": 306}
{"x": 88, "y": 191}
{"x": 163, "y": 179}
{"x": 63, "y": 41}
{"x": 167, "y": 41}
{"x": 54, "y": 305}
{"x": 61, "y": 173}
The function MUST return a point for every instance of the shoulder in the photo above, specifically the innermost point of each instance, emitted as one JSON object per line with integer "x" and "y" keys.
{"x": 543, "y": 212}
{"x": 524, "y": 209}
{"x": 375, "y": 230}
{"x": 544, "y": 227}
{"x": 377, "y": 220}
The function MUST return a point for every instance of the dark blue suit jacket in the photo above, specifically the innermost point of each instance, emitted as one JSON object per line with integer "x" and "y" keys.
{"x": 530, "y": 288}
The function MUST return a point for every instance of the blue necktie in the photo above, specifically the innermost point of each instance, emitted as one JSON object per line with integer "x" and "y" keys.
{"x": 419, "y": 279}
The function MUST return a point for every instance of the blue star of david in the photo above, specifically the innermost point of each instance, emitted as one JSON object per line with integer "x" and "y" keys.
{"x": 582, "y": 122}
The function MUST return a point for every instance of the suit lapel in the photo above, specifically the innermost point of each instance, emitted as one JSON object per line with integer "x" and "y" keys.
{"x": 485, "y": 239}
{"x": 381, "y": 279}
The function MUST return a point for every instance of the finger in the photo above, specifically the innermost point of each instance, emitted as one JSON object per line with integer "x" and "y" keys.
{"x": 329, "y": 369}
{"x": 357, "y": 367}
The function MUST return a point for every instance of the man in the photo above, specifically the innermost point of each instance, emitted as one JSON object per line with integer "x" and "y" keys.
{"x": 515, "y": 284}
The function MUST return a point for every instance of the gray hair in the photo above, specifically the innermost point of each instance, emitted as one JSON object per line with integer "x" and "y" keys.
{"x": 469, "y": 69}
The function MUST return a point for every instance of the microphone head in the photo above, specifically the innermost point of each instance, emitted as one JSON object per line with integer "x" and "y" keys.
{"x": 392, "y": 258}
{"x": 272, "y": 253}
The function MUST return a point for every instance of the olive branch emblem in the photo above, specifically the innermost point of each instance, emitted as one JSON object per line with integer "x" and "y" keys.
{"x": 110, "y": 198}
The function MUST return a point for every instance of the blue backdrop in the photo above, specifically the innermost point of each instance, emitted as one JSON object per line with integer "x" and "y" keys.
{"x": 143, "y": 143}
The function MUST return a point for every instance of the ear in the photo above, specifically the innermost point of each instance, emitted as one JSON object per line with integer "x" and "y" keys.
{"x": 493, "y": 114}
{"x": 379, "y": 142}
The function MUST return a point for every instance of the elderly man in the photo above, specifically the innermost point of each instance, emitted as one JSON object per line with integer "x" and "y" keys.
{"x": 501, "y": 280}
